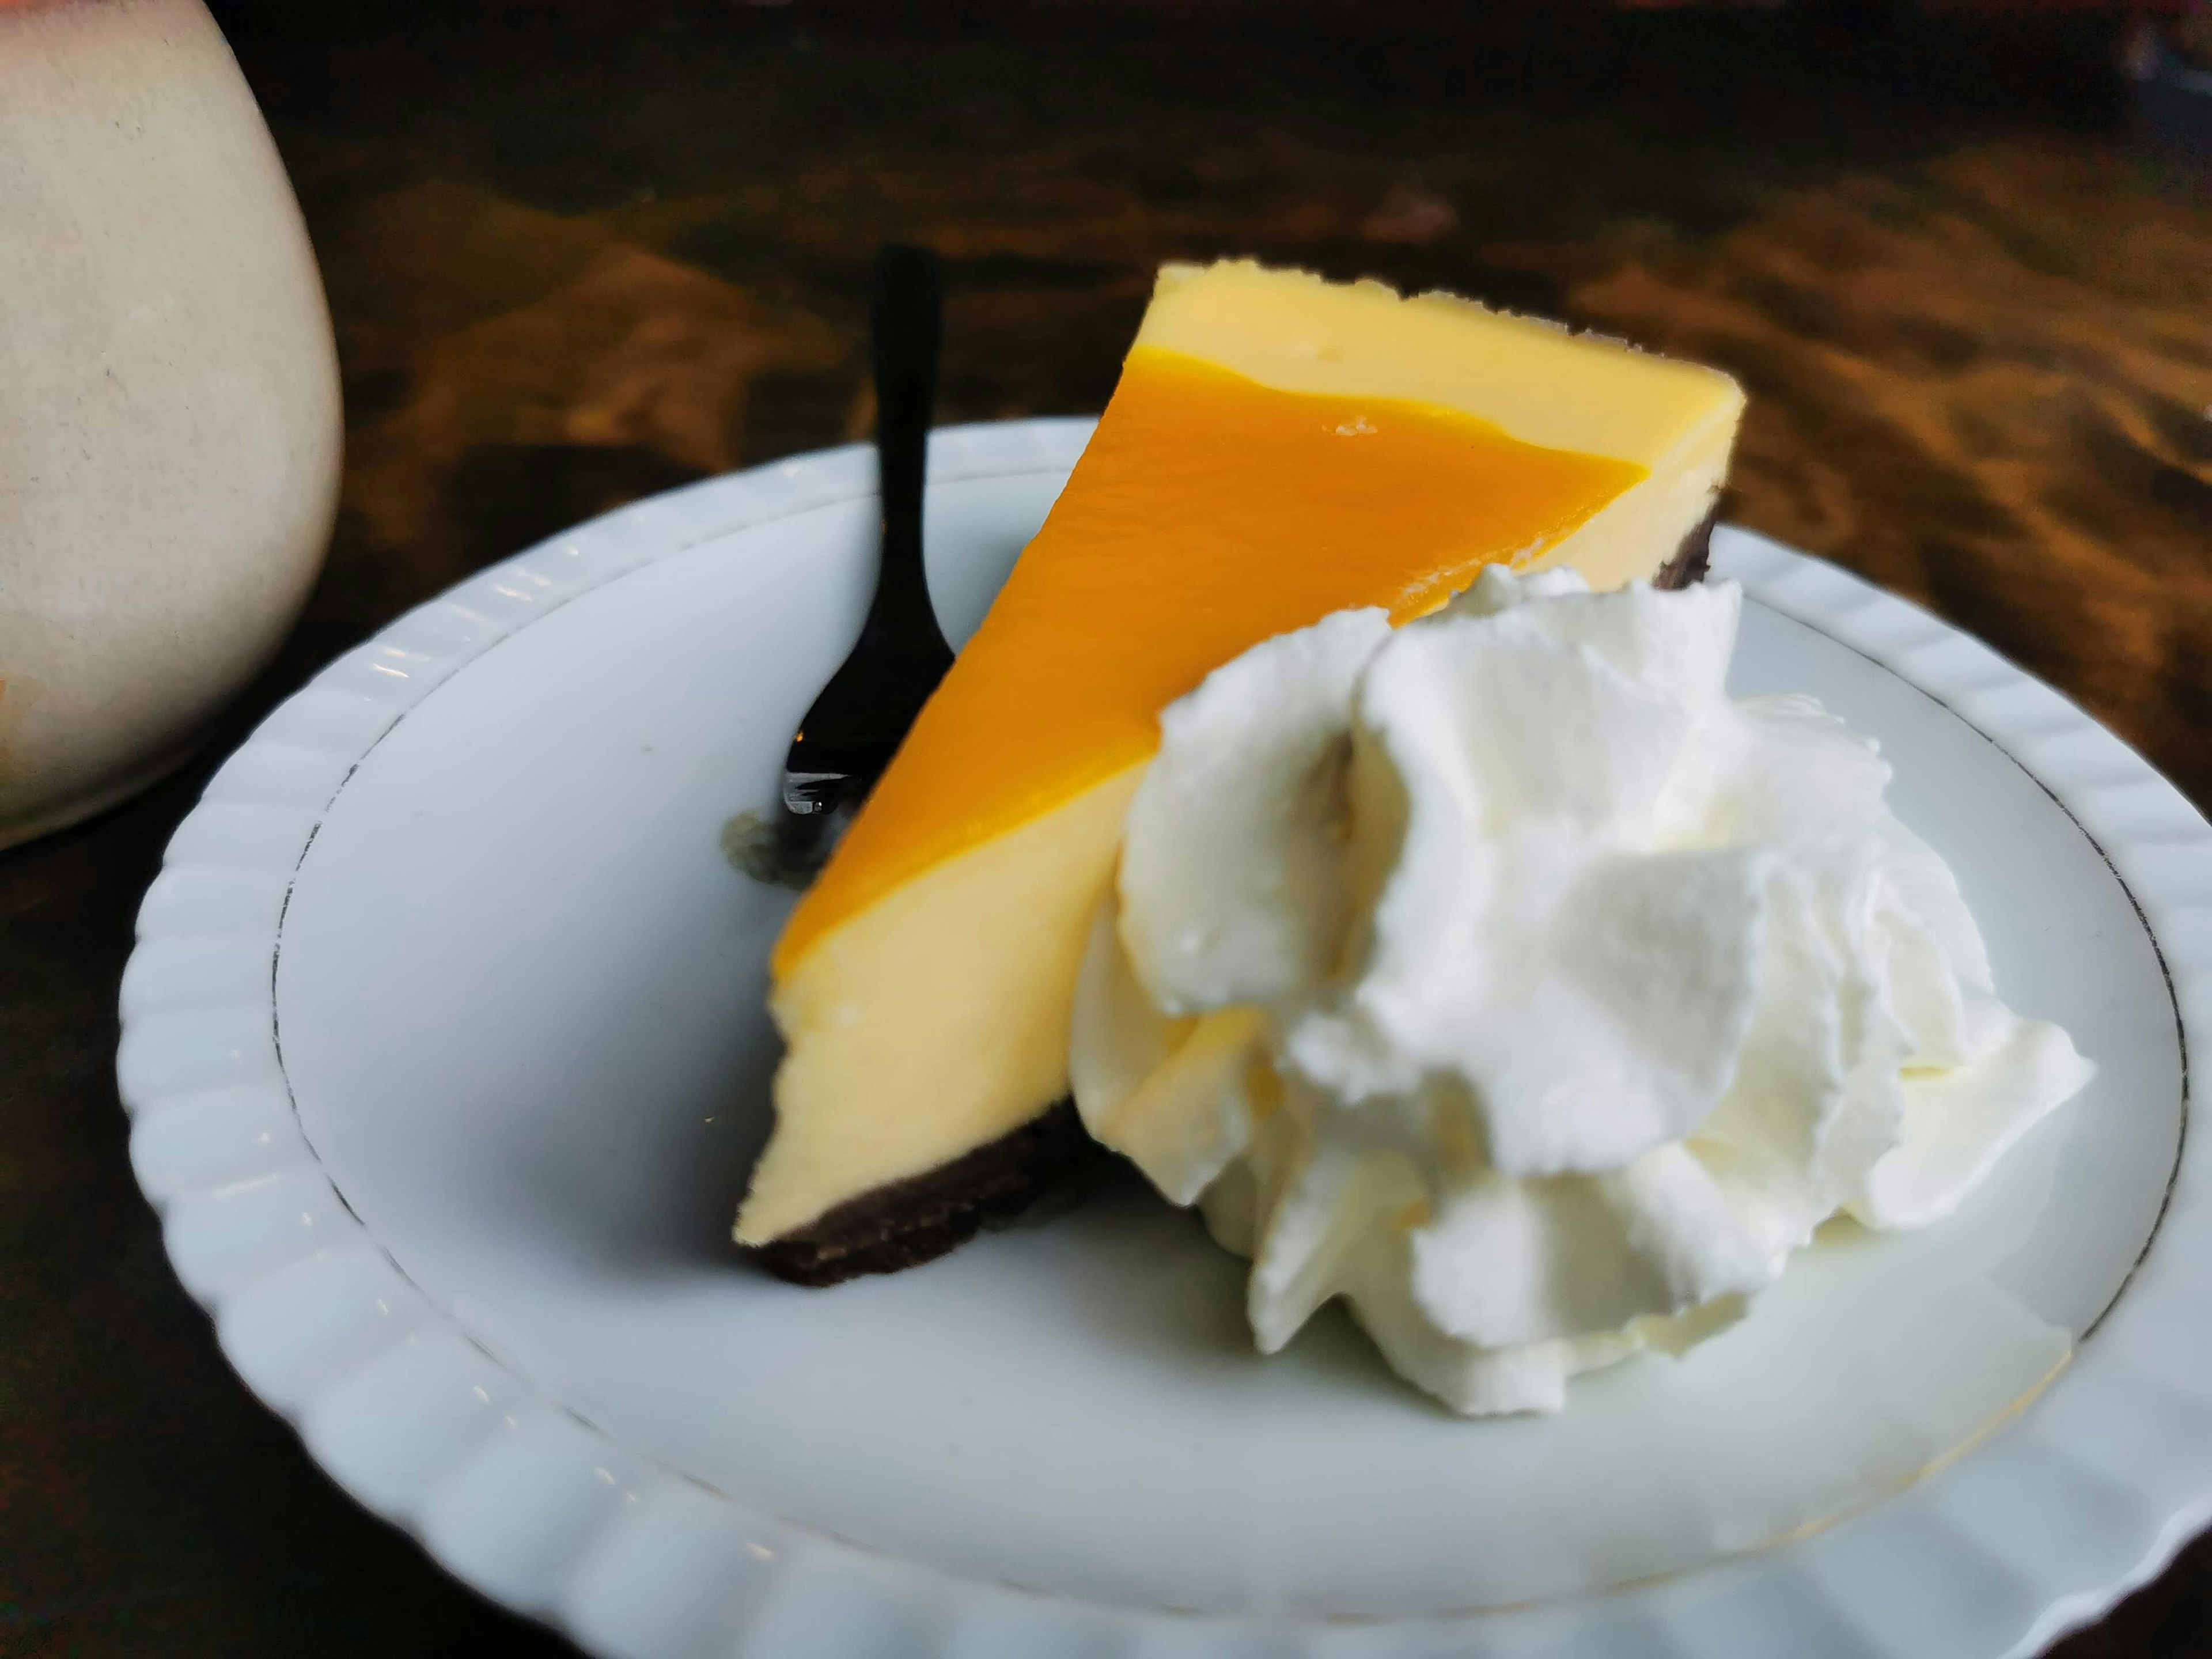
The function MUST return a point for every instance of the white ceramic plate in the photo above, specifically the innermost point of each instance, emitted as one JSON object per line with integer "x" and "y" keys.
{"x": 444, "y": 1044}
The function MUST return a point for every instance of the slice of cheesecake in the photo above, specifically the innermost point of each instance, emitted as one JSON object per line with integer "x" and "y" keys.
{"x": 1279, "y": 447}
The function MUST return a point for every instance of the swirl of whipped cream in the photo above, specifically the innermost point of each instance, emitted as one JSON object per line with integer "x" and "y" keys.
{"x": 1502, "y": 975}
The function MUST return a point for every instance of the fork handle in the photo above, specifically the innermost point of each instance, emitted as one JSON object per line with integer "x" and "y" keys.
{"x": 906, "y": 324}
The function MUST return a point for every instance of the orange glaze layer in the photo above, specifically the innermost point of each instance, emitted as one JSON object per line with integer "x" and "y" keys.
{"x": 1207, "y": 513}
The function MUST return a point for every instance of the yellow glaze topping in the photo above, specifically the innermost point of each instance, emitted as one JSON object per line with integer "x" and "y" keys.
{"x": 1209, "y": 512}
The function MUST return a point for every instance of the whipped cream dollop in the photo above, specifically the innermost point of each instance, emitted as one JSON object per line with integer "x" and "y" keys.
{"x": 1501, "y": 974}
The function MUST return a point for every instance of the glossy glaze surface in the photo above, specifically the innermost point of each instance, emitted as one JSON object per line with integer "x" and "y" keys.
{"x": 1212, "y": 513}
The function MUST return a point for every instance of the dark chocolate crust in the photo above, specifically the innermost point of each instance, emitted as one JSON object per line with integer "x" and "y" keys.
{"x": 905, "y": 1223}
{"x": 1692, "y": 559}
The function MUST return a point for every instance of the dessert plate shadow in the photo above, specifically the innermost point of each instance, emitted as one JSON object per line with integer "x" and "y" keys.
{"x": 445, "y": 1047}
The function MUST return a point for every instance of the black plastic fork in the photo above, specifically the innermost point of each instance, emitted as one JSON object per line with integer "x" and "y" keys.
{"x": 862, "y": 716}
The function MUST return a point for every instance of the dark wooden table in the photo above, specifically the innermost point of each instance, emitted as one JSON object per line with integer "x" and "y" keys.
{"x": 578, "y": 255}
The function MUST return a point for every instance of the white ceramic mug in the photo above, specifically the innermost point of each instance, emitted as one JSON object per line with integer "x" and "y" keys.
{"x": 169, "y": 412}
